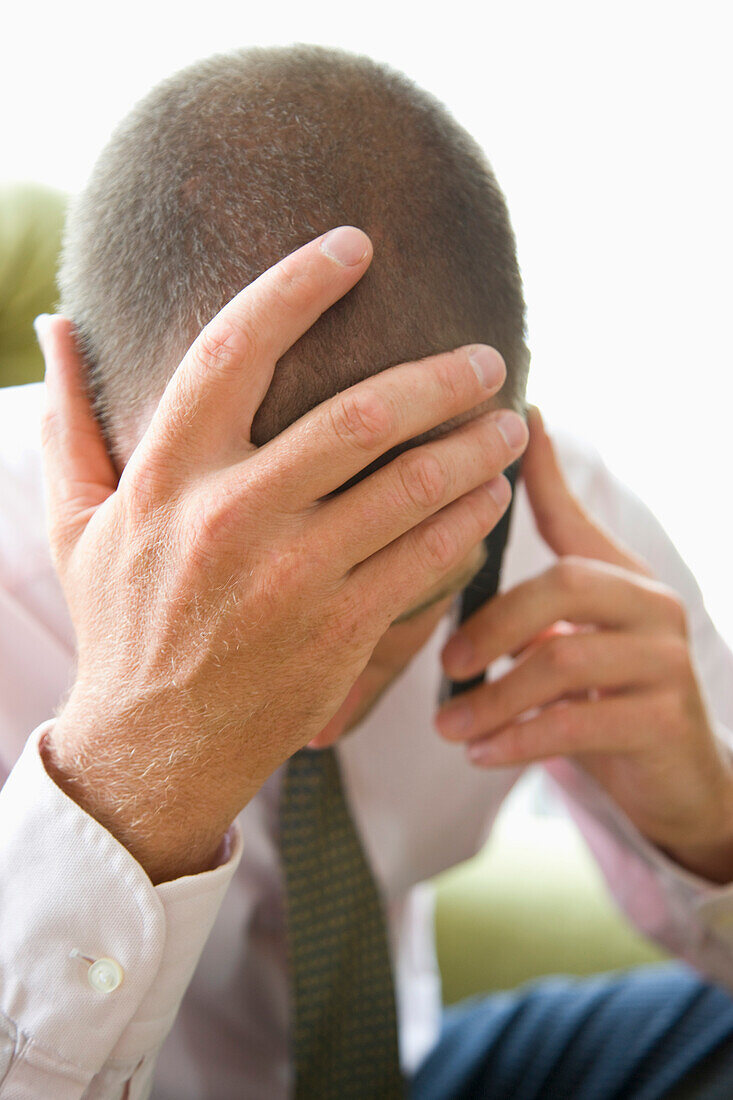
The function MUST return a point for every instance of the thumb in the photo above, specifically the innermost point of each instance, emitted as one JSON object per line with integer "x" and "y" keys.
{"x": 561, "y": 520}
{"x": 78, "y": 472}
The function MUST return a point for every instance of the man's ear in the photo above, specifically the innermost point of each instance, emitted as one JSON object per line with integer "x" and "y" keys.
{"x": 78, "y": 473}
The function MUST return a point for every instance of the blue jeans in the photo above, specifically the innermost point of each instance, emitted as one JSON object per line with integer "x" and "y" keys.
{"x": 656, "y": 1031}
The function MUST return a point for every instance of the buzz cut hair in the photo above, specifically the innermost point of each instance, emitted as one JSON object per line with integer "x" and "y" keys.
{"x": 237, "y": 160}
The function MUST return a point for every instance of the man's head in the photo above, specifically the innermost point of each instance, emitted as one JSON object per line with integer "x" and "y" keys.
{"x": 234, "y": 162}
{"x": 238, "y": 160}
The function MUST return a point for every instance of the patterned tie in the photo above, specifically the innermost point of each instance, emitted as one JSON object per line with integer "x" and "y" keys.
{"x": 345, "y": 1033}
{"x": 345, "y": 1036}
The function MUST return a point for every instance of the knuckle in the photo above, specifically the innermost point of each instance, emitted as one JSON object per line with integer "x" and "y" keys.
{"x": 453, "y": 377}
{"x": 222, "y": 345}
{"x": 140, "y": 487}
{"x": 290, "y": 575}
{"x": 561, "y": 722}
{"x": 209, "y": 526}
{"x": 424, "y": 480}
{"x": 571, "y": 575}
{"x": 563, "y": 656}
{"x": 676, "y": 657}
{"x": 345, "y": 625}
{"x": 665, "y": 711}
{"x": 674, "y": 611}
{"x": 438, "y": 547}
{"x": 292, "y": 283}
{"x": 361, "y": 419}
{"x": 553, "y": 523}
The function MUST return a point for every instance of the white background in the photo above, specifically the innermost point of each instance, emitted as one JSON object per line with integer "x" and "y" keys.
{"x": 609, "y": 128}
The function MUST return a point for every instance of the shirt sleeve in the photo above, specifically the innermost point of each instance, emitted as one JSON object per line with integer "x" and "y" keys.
{"x": 688, "y": 915}
{"x": 94, "y": 959}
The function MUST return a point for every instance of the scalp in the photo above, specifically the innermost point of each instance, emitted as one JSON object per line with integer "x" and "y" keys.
{"x": 239, "y": 159}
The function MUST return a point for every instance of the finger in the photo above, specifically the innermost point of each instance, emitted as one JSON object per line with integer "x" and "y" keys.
{"x": 575, "y": 589}
{"x": 78, "y": 472}
{"x": 415, "y": 485}
{"x": 335, "y": 728}
{"x": 561, "y": 666}
{"x": 393, "y": 653}
{"x": 388, "y": 583}
{"x": 341, "y": 437}
{"x": 614, "y": 724}
{"x": 221, "y": 381}
{"x": 561, "y": 519}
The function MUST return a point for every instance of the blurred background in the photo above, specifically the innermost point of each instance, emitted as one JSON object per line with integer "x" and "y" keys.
{"x": 608, "y": 127}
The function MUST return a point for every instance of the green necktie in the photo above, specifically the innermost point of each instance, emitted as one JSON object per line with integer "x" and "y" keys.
{"x": 345, "y": 1030}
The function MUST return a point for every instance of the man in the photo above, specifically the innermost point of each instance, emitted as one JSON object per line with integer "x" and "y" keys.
{"x": 253, "y": 558}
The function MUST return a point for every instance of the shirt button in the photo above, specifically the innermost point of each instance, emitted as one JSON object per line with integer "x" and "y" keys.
{"x": 105, "y": 975}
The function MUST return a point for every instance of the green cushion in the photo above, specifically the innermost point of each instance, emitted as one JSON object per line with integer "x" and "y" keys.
{"x": 532, "y": 902}
{"x": 31, "y": 222}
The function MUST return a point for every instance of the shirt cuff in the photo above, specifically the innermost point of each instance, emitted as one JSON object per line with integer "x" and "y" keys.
{"x": 670, "y": 903}
{"x": 67, "y": 883}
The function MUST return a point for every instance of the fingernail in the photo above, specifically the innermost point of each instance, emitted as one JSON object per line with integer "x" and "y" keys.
{"x": 458, "y": 653}
{"x": 513, "y": 428}
{"x": 500, "y": 490}
{"x": 345, "y": 245}
{"x": 455, "y": 720}
{"x": 488, "y": 366}
{"x": 482, "y": 752}
{"x": 40, "y": 325}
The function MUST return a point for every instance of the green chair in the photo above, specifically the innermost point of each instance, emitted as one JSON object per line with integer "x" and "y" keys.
{"x": 532, "y": 902}
{"x": 31, "y": 220}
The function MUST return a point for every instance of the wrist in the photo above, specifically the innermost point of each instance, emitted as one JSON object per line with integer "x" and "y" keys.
{"x": 163, "y": 819}
{"x": 711, "y": 856}
{"x": 712, "y": 861}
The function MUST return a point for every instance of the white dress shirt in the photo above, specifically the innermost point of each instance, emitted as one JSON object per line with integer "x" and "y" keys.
{"x": 193, "y": 1000}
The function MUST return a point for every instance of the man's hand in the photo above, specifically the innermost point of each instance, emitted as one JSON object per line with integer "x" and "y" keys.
{"x": 223, "y": 608}
{"x": 603, "y": 674}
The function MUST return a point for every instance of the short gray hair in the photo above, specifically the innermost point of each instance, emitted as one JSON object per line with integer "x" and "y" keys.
{"x": 232, "y": 163}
